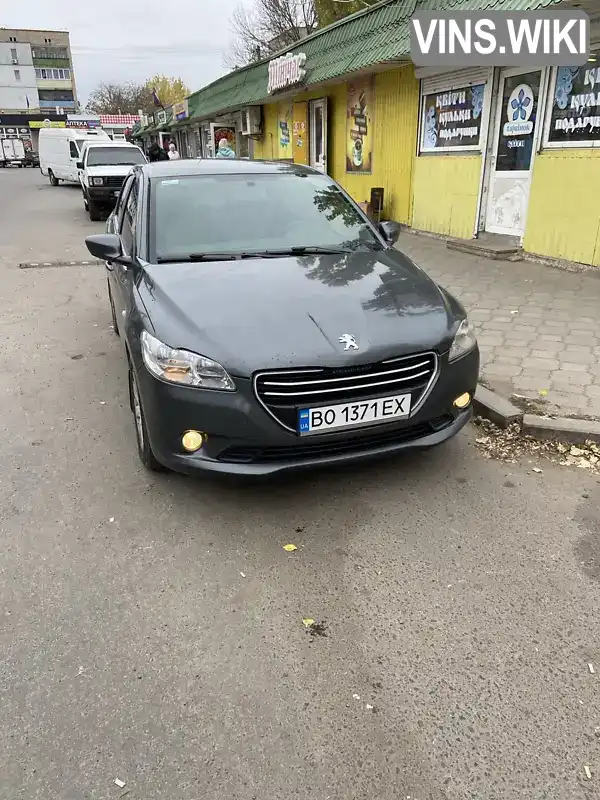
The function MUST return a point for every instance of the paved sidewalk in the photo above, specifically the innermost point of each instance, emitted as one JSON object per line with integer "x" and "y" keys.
{"x": 550, "y": 349}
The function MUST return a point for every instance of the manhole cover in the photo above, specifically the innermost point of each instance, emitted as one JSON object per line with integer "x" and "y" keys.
{"x": 42, "y": 264}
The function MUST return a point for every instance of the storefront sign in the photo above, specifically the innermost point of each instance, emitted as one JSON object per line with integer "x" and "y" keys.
{"x": 452, "y": 119}
{"x": 180, "y": 110}
{"x": 286, "y": 71}
{"x": 47, "y": 123}
{"x": 284, "y": 125}
{"x": 519, "y": 111}
{"x": 161, "y": 117}
{"x": 360, "y": 107}
{"x": 576, "y": 107}
{"x": 83, "y": 123}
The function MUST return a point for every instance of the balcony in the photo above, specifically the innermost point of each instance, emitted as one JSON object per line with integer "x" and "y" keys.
{"x": 51, "y": 104}
{"x": 63, "y": 86}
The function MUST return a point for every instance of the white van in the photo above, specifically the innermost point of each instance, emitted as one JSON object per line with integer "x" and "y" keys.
{"x": 102, "y": 171}
{"x": 60, "y": 150}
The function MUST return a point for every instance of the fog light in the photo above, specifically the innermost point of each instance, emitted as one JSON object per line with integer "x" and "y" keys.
{"x": 192, "y": 441}
{"x": 463, "y": 400}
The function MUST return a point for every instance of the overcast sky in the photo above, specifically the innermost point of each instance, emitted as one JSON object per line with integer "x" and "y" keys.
{"x": 116, "y": 40}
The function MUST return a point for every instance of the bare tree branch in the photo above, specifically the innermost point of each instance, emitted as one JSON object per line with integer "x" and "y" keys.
{"x": 268, "y": 26}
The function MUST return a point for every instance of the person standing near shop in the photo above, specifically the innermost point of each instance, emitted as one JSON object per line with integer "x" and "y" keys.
{"x": 156, "y": 153}
{"x": 173, "y": 154}
{"x": 225, "y": 150}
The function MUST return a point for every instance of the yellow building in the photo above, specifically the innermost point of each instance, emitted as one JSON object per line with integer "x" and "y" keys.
{"x": 499, "y": 158}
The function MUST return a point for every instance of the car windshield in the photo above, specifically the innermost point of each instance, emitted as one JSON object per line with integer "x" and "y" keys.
{"x": 194, "y": 216}
{"x": 114, "y": 156}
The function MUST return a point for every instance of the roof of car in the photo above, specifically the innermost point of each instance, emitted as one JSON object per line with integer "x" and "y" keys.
{"x": 109, "y": 143}
{"x": 220, "y": 166}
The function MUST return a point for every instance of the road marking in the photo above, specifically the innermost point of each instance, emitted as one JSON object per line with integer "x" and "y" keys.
{"x": 46, "y": 264}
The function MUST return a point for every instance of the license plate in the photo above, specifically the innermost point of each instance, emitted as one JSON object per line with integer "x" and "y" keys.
{"x": 346, "y": 415}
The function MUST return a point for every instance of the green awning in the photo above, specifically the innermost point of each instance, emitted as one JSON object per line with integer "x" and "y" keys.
{"x": 375, "y": 35}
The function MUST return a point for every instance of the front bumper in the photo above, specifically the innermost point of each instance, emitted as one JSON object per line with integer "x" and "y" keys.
{"x": 244, "y": 439}
{"x": 103, "y": 194}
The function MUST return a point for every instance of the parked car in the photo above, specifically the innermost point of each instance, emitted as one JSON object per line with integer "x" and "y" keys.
{"x": 269, "y": 325}
{"x": 32, "y": 158}
{"x": 60, "y": 150}
{"x": 102, "y": 170}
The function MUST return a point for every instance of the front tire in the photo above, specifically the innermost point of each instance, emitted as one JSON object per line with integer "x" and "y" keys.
{"x": 93, "y": 210}
{"x": 141, "y": 431}
{"x": 53, "y": 181}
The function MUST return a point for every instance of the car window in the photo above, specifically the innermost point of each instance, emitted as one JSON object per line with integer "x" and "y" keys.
{"x": 128, "y": 224}
{"x": 121, "y": 201}
{"x": 253, "y": 212}
{"x": 73, "y": 149}
{"x": 114, "y": 156}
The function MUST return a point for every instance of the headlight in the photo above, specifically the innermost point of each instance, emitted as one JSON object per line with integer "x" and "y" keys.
{"x": 181, "y": 366}
{"x": 95, "y": 181}
{"x": 463, "y": 341}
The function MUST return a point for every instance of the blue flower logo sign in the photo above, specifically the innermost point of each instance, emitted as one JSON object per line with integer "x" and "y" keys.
{"x": 430, "y": 134}
{"x": 519, "y": 105}
{"x": 519, "y": 110}
{"x": 477, "y": 99}
{"x": 564, "y": 85}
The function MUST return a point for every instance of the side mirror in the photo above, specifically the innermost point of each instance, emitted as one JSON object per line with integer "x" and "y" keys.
{"x": 107, "y": 247}
{"x": 390, "y": 231}
{"x": 79, "y": 165}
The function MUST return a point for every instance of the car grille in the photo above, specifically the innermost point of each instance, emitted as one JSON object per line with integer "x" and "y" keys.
{"x": 114, "y": 181}
{"x": 326, "y": 447}
{"x": 283, "y": 392}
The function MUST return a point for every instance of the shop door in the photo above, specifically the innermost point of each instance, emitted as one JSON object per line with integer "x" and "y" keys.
{"x": 513, "y": 153}
{"x": 318, "y": 134}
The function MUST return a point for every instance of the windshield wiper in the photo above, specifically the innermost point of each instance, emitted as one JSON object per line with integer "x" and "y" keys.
{"x": 305, "y": 250}
{"x": 196, "y": 257}
{"x": 287, "y": 251}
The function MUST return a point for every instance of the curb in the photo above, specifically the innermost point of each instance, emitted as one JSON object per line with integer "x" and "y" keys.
{"x": 503, "y": 413}
{"x": 497, "y": 409}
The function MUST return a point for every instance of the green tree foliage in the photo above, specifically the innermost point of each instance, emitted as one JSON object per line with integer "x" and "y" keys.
{"x": 329, "y": 11}
{"x": 169, "y": 90}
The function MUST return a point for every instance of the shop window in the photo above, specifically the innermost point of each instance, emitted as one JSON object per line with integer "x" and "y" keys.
{"x": 574, "y": 106}
{"x": 454, "y": 111}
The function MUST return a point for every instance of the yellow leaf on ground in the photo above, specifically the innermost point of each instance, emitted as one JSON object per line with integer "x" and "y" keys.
{"x": 308, "y": 622}
{"x": 289, "y": 548}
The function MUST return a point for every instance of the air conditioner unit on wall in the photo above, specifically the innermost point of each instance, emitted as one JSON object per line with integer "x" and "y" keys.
{"x": 251, "y": 120}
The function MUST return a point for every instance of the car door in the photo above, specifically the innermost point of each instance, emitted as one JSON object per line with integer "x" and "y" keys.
{"x": 126, "y": 224}
{"x": 113, "y": 225}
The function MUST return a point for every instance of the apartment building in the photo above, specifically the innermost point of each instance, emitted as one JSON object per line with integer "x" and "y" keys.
{"x": 36, "y": 72}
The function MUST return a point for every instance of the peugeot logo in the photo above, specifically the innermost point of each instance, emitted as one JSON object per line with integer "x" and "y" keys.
{"x": 349, "y": 341}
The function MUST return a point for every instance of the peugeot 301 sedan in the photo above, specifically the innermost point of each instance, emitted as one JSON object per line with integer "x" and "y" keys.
{"x": 269, "y": 325}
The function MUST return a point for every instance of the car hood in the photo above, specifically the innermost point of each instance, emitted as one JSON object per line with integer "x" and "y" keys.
{"x": 109, "y": 169}
{"x": 292, "y": 311}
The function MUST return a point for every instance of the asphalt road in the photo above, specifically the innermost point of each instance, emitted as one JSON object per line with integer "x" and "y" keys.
{"x": 459, "y": 596}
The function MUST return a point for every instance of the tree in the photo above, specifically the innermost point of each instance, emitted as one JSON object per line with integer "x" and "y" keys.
{"x": 169, "y": 90}
{"x": 129, "y": 97}
{"x": 329, "y": 11}
{"x": 268, "y": 26}
{"x": 271, "y": 25}
{"x": 118, "y": 98}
